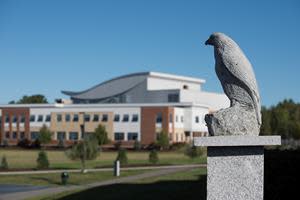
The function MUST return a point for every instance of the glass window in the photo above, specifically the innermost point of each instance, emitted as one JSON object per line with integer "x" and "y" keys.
{"x": 135, "y": 118}
{"x": 32, "y": 118}
{"x": 73, "y": 136}
{"x": 105, "y": 118}
{"x": 176, "y": 118}
{"x": 40, "y": 118}
{"x": 22, "y": 135}
{"x": 6, "y": 119}
{"x": 34, "y": 135}
{"x": 7, "y": 135}
{"x": 75, "y": 118}
{"x": 171, "y": 118}
{"x": 14, "y": 135}
{"x": 22, "y": 119}
{"x": 197, "y": 119}
{"x": 48, "y": 118}
{"x": 132, "y": 136}
{"x": 68, "y": 117}
{"x": 125, "y": 118}
{"x": 173, "y": 98}
{"x": 61, "y": 135}
{"x": 96, "y": 118}
{"x": 159, "y": 118}
{"x": 181, "y": 118}
{"x": 59, "y": 117}
{"x": 87, "y": 118}
{"x": 119, "y": 136}
{"x": 117, "y": 118}
{"x": 14, "y": 119}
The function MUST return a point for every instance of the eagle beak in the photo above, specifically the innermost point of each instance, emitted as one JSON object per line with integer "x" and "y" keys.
{"x": 207, "y": 42}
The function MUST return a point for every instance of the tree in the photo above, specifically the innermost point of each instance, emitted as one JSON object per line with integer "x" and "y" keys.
{"x": 33, "y": 99}
{"x": 42, "y": 160}
{"x": 163, "y": 140}
{"x": 153, "y": 157}
{"x": 84, "y": 150}
{"x": 4, "y": 164}
{"x": 193, "y": 151}
{"x": 101, "y": 135}
{"x": 122, "y": 156}
{"x": 45, "y": 135}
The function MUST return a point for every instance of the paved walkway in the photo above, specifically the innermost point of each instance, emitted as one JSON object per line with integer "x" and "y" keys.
{"x": 41, "y": 192}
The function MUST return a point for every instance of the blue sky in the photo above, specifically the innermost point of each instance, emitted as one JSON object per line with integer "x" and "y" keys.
{"x": 49, "y": 46}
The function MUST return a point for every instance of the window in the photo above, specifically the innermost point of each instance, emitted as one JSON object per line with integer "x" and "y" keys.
{"x": 40, "y": 118}
{"x": 6, "y": 119}
{"x": 32, "y": 118}
{"x": 135, "y": 118}
{"x": 75, "y": 118}
{"x": 87, "y": 118}
{"x": 22, "y": 119}
{"x": 105, "y": 118}
{"x": 119, "y": 136}
{"x": 48, "y": 118}
{"x": 185, "y": 87}
{"x": 125, "y": 118}
{"x": 73, "y": 136}
{"x": 59, "y": 117}
{"x": 96, "y": 118}
{"x": 171, "y": 118}
{"x": 34, "y": 135}
{"x": 159, "y": 118}
{"x": 132, "y": 136}
{"x": 7, "y": 135}
{"x": 176, "y": 118}
{"x": 22, "y": 135}
{"x": 68, "y": 117}
{"x": 15, "y": 119}
{"x": 14, "y": 135}
{"x": 173, "y": 98}
{"x": 117, "y": 118}
{"x": 181, "y": 119}
{"x": 61, "y": 135}
{"x": 197, "y": 119}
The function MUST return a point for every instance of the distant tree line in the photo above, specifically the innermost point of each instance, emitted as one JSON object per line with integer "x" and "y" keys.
{"x": 33, "y": 99}
{"x": 282, "y": 119}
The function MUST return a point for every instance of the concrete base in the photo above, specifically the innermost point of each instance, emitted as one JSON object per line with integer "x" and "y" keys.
{"x": 235, "y": 166}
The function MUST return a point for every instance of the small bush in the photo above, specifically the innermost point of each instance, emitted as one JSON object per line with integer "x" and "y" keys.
{"x": 24, "y": 143}
{"x": 36, "y": 144}
{"x": 193, "y": 152}
{"x": 42, "y": 160}
{"x": 137, "y": 145}
{"x": 5, "y": 143}
{"x": 122, "y": 156}
{"x": 153, "y": 157}
{"x": 4, "y": 164}
{"x": 61, "y": 144}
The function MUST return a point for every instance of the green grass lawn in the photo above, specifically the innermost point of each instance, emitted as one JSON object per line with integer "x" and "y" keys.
{"x": 190, "y": 185}
{"x": 54, "y": 179}
{"x": 26, "y": 159}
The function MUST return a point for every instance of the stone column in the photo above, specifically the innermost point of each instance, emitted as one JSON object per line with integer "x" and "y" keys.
{"x": 235, "y": 166}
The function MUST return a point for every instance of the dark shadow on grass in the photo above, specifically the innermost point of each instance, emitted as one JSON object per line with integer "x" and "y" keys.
{"x": 168, "y": 190}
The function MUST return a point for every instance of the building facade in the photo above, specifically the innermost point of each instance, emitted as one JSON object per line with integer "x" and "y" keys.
{"x": 132, "y": 107}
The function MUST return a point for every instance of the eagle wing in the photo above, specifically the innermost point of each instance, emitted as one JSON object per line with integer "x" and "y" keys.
{"x": 239, "y": 66}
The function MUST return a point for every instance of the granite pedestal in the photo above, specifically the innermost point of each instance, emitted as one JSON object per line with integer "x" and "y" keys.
{"x": 235, "y": 166}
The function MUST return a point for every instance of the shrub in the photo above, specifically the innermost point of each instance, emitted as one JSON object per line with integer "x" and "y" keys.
{"x": 162, "y": 141}
{"x": 61, "y": 144}
{"x": 101, "y": 135}
{"x": 153, "y": 157}
{"x": 193, "y": 152}
{"x": 137, "y": 145}
{"x": 24, "y": 143}
{"x": 4, "y": 164}
{"x": 5, "y": 143}
{"x": 42, "y": 160}
{"x": 122, "y": 156}
{"x": 36, "y": 144}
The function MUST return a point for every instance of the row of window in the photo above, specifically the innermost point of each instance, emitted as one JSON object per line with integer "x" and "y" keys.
{"x": 14, "y": 135}
{"x": 119, "y": 136}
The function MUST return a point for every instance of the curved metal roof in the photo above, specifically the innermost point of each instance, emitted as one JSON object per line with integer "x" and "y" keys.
{"x": 110, "y": 88}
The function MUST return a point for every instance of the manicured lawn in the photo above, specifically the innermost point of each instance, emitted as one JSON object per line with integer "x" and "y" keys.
{"x": 26, "y": 159}
{"x": 54, "y": 179}
{"x": 183, "y": 185}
